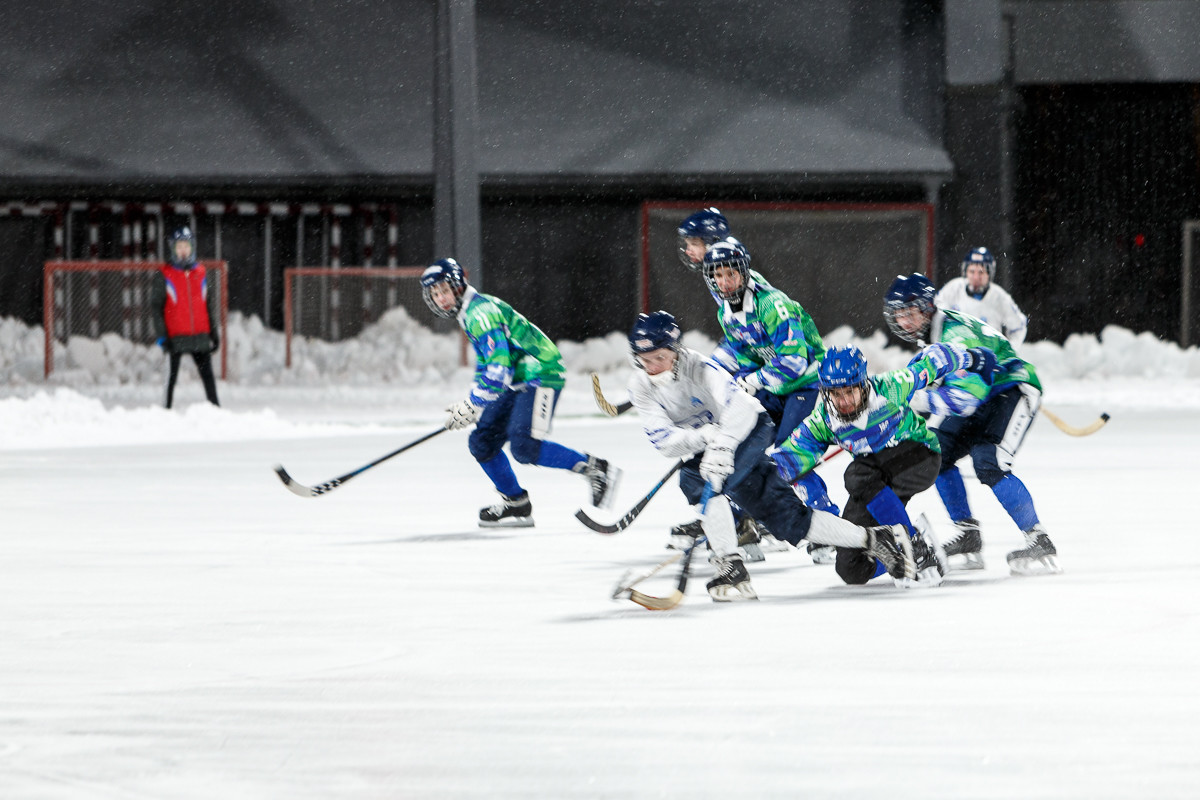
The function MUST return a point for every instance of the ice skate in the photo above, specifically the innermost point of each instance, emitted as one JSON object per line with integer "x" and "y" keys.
{"x": 1038, "y": 557}
{"x": 603, "y": 478}
{"x": 510, "y": 512}
{"x": 928, "y": 555}
{"x": 767, "y": 541}
{"x": 684, "y": 536}
{"x": 822, "y": 553}
{"x": 732, "y": 582}
{"x": 748, "y": 540}
{"x": 965, "y": 550}
{"x": 891, "y": 545}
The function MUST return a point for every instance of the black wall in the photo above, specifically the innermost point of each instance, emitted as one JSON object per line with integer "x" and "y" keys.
{"x": 1105, "y": 177}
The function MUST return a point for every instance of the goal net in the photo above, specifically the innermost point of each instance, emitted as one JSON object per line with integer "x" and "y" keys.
{"x": 836, "y": 260}
{"x": 337, "y": 303}
{"x": 93, "y": 298}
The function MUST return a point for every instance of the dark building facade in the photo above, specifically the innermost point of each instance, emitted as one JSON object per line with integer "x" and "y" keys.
{"x": 295, "y": 133}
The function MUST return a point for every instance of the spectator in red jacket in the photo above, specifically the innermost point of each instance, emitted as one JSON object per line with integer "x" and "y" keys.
{"x": 187, "y": 297}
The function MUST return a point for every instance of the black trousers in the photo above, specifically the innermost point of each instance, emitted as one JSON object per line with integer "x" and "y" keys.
{"x": 203, "y": 366}
{"x": 906, "y": 469}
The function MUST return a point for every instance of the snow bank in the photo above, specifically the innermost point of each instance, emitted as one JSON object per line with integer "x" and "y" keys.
{"x": 399, "y": 373}
{"x": 399, "y": 350}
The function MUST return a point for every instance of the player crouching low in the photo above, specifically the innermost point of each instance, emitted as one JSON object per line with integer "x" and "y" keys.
{"x": 518, "y": 378}
{"x": 691, "y": 408}
{"x": 894, "y": 456}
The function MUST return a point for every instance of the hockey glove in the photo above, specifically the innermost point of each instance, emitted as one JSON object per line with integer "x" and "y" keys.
{"x": 215, "y": 342}
{"x": 716, "y": 466}
{"x": 163, "y": 342}
{"x": 981, "y": 361}
{"x": 750, "y": 383}
{"x": 462, "y": 414}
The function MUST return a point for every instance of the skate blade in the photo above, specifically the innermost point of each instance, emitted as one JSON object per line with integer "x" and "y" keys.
{"x": 752, "y": 552}
{"x": 733, "y": 594}
{"x": 824, "y": 555}
{"x": 964, "y": 562}
{"x": 1032, "y": 567}
{"x": 770, "y": 544}
{"x": 510, "y": 522}
{"x": 928, "y": 578}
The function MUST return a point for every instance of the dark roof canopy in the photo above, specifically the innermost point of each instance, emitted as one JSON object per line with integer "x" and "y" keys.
{"x": 279, "y": 90}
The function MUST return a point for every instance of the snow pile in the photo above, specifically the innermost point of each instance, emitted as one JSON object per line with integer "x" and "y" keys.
{"x": 64, "y": 418}
{"x": 400, "y": 351}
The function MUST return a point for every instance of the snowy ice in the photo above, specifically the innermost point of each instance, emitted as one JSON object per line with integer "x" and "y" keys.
{"x": 177, "y": 625}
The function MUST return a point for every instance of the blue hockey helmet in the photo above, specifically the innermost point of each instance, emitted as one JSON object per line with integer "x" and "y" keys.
{"x": 909, "y": 291}
{"x": 709, "y": 226}
{"x": 654, "y": 331}
{"x": 183, "y": 234}
{"x": 447, "y": 271}
{"x": 844, "y": 367}
{"x": 984, "y": 258}
{"x": 732, "y": 254}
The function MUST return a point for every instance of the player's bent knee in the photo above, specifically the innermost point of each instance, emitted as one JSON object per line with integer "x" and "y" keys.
{"x": 854, "y": 567}
{"x": 525, "y": 450}
{"x": 483, "y": 448}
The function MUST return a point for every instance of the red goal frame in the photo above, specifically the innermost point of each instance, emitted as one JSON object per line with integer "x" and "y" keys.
{"x": 51, "y": 269}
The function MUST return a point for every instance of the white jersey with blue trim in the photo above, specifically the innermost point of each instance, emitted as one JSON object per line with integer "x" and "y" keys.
{"x": 996, "y": 307}
{"x": 702, "y": 393}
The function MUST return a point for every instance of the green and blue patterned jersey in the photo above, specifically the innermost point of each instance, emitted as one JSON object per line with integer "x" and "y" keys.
{"x": 510, "y": 351}
{"x": 887, "y": 420}
{"x": 961, "y": 394}
{"x": 772, "y": 336}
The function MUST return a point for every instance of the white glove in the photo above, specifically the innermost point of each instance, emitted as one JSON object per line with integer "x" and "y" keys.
{"x": 716, "y": 466}
{"x": 750, "y": 383}
{"x": 462, "y": 414}
{"x": 709, "y": 433}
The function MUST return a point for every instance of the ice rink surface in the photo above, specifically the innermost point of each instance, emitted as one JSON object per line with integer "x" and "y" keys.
{"x": 177, "y": 625}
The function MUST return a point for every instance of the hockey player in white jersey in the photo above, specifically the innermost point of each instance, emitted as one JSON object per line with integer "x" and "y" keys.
{"x": 976, "y": 294}
{"x": 691, "y": 408}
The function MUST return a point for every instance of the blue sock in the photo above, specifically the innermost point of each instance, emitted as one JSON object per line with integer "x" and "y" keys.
{"x": 887, "y": 509}
{"x": 1017, "y": 501}
{"x": 555, "y": 456}
{"x": 502, "y": 475}
{"x": 954, "y": 494}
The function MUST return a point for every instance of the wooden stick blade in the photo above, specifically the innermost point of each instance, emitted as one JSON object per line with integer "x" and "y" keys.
{"x": 1071, "y": 430}
{"x": 657, "y": 603}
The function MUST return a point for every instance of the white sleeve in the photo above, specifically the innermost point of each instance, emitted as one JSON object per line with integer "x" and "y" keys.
{"x": 1015, "y": 323}
{"x": 737, "y": 411}
{"x": 669, "y": 438}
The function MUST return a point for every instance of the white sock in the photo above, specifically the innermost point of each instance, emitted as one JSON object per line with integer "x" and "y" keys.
{"x": 825, "y": 528}
{"x": 718, "y": 526}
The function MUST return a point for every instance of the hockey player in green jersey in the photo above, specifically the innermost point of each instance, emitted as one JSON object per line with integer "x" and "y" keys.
{"x": 894, "y": 455}
{"x": 771, "y": 347}
{"x": 971, "y": 416}
{"x": 518, "y": 377}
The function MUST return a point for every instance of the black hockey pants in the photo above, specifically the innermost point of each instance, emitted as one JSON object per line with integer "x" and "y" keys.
{"x": 906, "y": 469}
